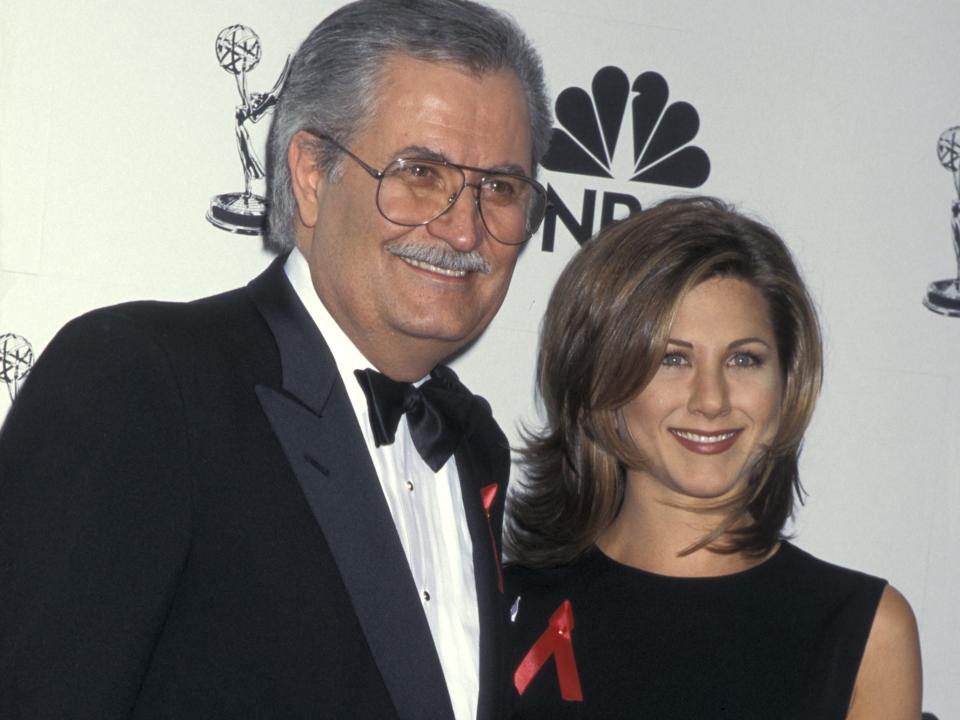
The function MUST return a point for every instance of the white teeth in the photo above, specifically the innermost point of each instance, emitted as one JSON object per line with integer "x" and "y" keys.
{"x": 705, "y": 439}
{"x": 434, "y": 268}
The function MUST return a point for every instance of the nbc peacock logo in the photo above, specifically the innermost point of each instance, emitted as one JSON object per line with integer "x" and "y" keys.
{"x": 589, "y": 142}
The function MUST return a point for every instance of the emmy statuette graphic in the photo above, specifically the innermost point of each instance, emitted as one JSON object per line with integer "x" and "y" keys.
{"x": 238, "y": 52}
{"x": 16, "y": 359}
{"x": 943, "y": 296}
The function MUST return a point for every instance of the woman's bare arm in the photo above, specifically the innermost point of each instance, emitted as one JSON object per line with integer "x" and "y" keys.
{"x": 889, "y": 682}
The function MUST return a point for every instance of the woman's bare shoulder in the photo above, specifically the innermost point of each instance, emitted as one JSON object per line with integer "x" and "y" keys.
{"x": 889, "y": 682}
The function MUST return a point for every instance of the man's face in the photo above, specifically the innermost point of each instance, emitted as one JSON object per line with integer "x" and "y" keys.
{"x": 390, "y": 307}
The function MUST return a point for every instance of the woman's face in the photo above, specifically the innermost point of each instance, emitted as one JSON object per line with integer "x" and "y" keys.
{"x": 715, "y": 399}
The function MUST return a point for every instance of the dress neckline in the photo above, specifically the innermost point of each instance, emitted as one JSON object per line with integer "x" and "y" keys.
{"x": 595, "y": 556}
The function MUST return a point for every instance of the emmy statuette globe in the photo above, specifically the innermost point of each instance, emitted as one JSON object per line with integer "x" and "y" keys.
{"x": 16, "y": 360}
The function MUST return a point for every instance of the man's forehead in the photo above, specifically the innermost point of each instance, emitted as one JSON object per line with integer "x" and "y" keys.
{"x": 407, "y": 74}
{"x": 430, "y": 109}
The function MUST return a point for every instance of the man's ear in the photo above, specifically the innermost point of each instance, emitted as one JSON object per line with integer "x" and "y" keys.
{"x": 306, "y": 176}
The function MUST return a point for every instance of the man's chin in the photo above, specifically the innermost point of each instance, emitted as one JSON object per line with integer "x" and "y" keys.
{"x": 452, "y": 335}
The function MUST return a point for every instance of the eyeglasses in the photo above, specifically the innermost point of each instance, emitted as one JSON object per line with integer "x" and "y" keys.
{"x": 415, "y": 191}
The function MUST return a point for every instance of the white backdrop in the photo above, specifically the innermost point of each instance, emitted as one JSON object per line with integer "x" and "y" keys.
{"x": 116, "y": 128}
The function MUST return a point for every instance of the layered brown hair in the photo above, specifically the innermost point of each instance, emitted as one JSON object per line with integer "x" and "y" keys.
{"x": 602, "y": 341}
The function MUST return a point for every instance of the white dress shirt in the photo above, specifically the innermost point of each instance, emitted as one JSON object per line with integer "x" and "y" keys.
{"x": 427, "y": 509}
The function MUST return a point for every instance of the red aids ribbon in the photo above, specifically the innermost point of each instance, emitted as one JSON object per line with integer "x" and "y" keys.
{"x": 487, "y": 495}
{"x": 556, "y": 640}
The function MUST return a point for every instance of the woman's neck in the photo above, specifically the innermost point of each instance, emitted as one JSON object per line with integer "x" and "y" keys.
{"x": 650, "y": 533}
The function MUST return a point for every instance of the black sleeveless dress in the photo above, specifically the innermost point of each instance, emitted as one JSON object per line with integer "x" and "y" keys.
{"x": 780, "y": 641}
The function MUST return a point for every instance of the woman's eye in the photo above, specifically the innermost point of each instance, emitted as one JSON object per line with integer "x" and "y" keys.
{"x": 746, "y": 360}
{"x": 673, "y": 359}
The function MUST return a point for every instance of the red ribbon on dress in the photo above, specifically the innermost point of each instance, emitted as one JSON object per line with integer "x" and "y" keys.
{"x": 556, "y": 640}
{"x": 487, "y": 495}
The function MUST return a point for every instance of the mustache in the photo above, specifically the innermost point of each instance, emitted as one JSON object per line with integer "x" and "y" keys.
{"x": 441, "y": 256}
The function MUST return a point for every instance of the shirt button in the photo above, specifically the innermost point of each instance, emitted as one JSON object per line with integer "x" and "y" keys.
{"x": 409, "y": 486}
{"x": 426, "y": 596}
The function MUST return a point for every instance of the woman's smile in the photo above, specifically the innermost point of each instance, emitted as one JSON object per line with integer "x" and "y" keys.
{"x": 706, "y": 443}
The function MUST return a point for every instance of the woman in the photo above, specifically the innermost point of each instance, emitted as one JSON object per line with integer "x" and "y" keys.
{"x": 679, "y": 366}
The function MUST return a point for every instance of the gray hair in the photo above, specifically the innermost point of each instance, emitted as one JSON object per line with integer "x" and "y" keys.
{"x": 333, "y": 78}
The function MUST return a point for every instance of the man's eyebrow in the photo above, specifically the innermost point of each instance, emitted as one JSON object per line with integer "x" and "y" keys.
{"x": 419, "y": 152}
{"x": 510, "y": 169}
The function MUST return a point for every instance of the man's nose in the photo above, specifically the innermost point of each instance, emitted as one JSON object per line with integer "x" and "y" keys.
{"x": 461, "y": 226}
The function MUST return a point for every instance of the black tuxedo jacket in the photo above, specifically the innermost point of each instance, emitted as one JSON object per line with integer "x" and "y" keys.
{"x": 191, "y": 527}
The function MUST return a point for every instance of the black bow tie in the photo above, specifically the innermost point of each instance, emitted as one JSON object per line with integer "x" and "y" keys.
{"x": 436, "y": 411}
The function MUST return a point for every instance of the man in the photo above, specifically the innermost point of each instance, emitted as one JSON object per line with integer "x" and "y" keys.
{"x": 205, "y": 511}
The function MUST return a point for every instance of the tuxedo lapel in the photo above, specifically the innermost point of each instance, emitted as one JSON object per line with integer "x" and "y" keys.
{"x": 312, "y": 418}
{"x": 482, "y": 461}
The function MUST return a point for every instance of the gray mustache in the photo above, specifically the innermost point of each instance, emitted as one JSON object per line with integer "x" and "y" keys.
{"x": 441, "y": 257}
